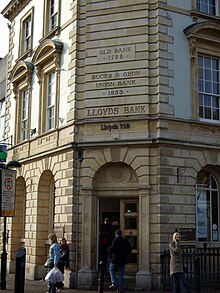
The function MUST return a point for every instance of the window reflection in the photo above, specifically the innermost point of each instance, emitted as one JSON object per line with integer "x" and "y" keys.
{"x": 130, "y": 207}
{"x": 130, "y": 223}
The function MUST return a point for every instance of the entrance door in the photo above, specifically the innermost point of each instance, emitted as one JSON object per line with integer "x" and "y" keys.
{"x": 129, "y": 227}
{"x": 125, "y": 212}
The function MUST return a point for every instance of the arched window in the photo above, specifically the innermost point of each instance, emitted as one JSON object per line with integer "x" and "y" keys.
{"x": 47, "y": 61}
{"x": 204, "y": 45}
{"x": 21, "y": 78}
{"x": 207, "y": 208}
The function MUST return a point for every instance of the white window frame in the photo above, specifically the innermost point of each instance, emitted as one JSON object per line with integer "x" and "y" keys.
{"x": 206, "y": 229}
{"x": 2, "y": 118}
{"x": 27, "y": 34}
{"x": 209, "y": 88}
{"x": 53, "y": 14}
{"x": 206, "y": 6}
{"x": 50, "y": 100}
{"x": 24, "y": 114}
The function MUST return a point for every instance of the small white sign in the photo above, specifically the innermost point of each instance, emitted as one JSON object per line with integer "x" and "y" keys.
{"x": 8, "y": 180}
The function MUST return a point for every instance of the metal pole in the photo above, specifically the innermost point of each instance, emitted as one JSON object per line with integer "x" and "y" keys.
{"x": 4, "y": 259}
{"x": 197, "y": 274}
{"x": 101, "y": 277}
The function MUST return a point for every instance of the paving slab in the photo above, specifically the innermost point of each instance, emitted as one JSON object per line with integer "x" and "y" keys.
{"x": 41, "y": 287}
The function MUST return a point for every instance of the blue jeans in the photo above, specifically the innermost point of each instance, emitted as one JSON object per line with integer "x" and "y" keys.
{"x": 179, "y": 281}
{"x": 113, "y": 268}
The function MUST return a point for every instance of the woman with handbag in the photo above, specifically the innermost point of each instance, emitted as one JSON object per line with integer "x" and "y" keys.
{"x": 54, "y": 258}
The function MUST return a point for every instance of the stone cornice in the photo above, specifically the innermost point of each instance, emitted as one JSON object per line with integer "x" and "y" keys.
{"x": 13, "y": 8}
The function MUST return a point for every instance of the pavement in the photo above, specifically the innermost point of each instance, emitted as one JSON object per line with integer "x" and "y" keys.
{"x": 41, "y": 287}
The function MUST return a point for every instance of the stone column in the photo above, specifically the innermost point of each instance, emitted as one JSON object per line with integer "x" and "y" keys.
{"x": 143, "y": 277}
{"x": 87, "y": 275}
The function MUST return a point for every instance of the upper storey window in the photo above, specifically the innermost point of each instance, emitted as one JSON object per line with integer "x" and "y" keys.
{"x": 26, "y": 34}
{"x": 21, "y": 78}
{"x": 204, "y": 45}
{"x": 2, "y": 118}
{"x": 207, "y": 6}
{"x": 208, "y": 82}
{"x": 47, "y": 62}
{"x": 50, "y": 100}
{"x": 51, "y": 17}
{"x": 24, "y": 97}
{"x": 53, "y": 14}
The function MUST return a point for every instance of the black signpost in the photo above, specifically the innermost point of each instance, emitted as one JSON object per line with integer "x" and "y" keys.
{"x": 7, "y": 205}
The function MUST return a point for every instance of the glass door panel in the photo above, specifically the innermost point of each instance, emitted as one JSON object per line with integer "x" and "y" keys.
{"x": 129, "y": 226}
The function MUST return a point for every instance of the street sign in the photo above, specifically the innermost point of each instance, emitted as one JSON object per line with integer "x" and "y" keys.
{"x": 7, "y": 192}
{"x": 3, "y": 152}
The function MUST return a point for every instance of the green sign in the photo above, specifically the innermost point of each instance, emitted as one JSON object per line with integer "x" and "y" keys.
{"x": 3, "y": 152}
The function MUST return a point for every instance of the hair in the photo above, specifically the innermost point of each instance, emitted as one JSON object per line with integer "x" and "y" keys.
{"x": 118, "y": 232}
{"x": 52, "y": 237}
{"x": 175, "y": 234}
{"x": 63, "y": 239}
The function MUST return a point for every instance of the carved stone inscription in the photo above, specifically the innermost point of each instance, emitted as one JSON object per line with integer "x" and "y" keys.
{"x": 117, "y": 111}
{"x": 117, "y": 83}
{"x": 117, "y": 53}
{"x": 119, "y": 91}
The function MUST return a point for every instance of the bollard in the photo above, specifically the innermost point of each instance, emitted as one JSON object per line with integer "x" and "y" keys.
{"x": 20, "y": 270}
{"x": 101, "y": 277}
{"x": 197, "y": 275}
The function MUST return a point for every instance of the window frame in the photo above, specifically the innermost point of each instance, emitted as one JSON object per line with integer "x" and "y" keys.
{"x": 216, "y": 8}
{"x": 203, "y": 191}
{"x": 203, "y": 41}
{"x": 23, "y": 50}
{"x": 24, "y": 109}
{"x": 49, "y": 31}
{"x": 50, "y": 101}
{"x": 47, "y": 60}
{"x": 21, "y": 78}
{"x": 2, "y": 118}
{"x": 208, "y": 95}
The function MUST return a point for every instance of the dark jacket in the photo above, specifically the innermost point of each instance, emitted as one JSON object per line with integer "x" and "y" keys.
{"x": 120, "y": 250}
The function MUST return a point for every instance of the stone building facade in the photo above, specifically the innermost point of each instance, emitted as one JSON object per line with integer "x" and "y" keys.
{"x": 121, "y": 120}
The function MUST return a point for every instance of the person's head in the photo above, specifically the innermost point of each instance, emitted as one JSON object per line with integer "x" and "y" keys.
{"x": 115, "y": 223}
{"x": 118, "y": 232}
{"x": 107, "y": 221}
{"x": 63, "y": 241}
{"x": 176, "y": 236}
{"x": 52, "y": 238}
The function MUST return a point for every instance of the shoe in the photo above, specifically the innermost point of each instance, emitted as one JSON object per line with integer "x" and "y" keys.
{"x": 61, "y": 287}
{"x": 112, "y": 286}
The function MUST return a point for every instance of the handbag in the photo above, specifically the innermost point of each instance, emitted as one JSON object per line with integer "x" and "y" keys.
{"x": 48, "y": 263}
{"x": 54, "y": 276}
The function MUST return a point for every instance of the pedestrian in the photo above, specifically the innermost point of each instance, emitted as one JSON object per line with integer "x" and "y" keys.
{"x": 176, "y": 265}
{"x": 106, "y": 237}
{"x": 120, "y": 249}
{"x": 54, "y": 257}
{"x": 64, "y": 251}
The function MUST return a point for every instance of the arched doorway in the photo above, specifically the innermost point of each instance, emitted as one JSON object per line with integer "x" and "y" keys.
{"x": 45, "y": 219}
{"x": 116, "y": 188}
